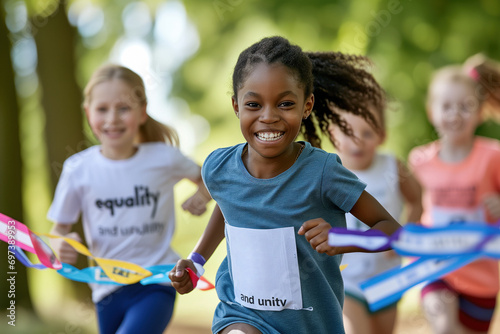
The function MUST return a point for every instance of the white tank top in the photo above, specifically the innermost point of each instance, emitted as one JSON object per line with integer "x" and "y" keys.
{"x": 382, "y": 179}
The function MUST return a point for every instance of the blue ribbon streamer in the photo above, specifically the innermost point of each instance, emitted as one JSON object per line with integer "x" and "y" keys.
{"x": 440, "y": 251}
{"x": 388, "y": 287}
{"x": 95, "y": 274}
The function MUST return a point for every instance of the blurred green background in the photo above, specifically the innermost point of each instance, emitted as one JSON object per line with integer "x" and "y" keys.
{"x": 185, "y": 51}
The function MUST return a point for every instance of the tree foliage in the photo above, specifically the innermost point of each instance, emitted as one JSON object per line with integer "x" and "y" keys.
{"x": 407, "y": 40}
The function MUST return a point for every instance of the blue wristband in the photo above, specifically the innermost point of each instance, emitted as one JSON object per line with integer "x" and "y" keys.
{"x": 197, "y": 258}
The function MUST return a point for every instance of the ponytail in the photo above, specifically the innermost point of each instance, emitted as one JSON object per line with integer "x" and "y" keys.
{"x": 486, "y": 73}
{"x": 154, "y": 131}
{"x": 342, "y": 83}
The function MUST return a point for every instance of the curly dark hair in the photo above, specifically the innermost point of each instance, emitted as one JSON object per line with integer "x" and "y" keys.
{"x": 274, "y": 50}
{"x": 342, "y": 83}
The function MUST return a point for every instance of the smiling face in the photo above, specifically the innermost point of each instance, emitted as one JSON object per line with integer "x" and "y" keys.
{"x": 115, "y": 115}
{"x": 358, "y": 151}
{"x": 271, "y": 106}
{"x": 454, "y": 110}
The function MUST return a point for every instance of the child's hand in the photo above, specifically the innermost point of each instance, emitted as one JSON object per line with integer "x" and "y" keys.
{"x": 64, "y": 251}
{"x": 492, "y": 204}
{"x": 391, "y": 254}
{"x": 316, "y": 233}
{"x": 197, "y": 204}
{"x": 180, "y": 277}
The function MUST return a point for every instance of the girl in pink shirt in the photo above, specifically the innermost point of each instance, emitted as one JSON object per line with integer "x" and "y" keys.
{"x": 460, "y": 175}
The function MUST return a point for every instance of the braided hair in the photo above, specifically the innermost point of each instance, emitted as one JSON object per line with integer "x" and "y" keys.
{"x": 342, "y": 83}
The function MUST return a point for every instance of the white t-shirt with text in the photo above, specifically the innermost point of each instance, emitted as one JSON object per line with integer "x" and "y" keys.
{"x": 127, "y": 206}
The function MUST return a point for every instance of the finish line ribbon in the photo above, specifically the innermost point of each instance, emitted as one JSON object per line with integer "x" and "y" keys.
{"x": 454, "y": 240}
{"x": 16, "y": 234}
{"x": 109, "y": 271}
{"x": 388, "y": 287}
{"x": 440, "y": 251}
{"x": 96, "y": 274}
{"x": 372, "y": 240}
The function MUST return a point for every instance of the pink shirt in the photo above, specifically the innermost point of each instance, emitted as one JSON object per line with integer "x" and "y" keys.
{"x": 453, "y": 193}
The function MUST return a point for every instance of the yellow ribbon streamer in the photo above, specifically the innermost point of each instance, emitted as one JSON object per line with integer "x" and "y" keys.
{"x": 119, "y": 271}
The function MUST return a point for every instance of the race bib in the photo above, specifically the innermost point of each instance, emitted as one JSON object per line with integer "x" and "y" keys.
{"x": 264, "y": 268}
{"x": 447, "y": 216}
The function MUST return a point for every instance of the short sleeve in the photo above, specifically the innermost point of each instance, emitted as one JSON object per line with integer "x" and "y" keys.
{"x": 206, "y": 169}
{"x": 341, "y": 186}
{"x": 496, "y": 170}
{"x": 67, "y": 204}
{"x": 414, "y": 158}
{"x": 184, "y": 167}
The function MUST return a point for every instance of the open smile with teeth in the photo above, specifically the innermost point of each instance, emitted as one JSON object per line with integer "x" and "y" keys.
{"x": 269, "y": 136}
{"x": 113, "y": 132}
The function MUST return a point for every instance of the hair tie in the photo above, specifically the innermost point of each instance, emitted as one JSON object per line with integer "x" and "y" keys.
{"x": 474, "y": 74}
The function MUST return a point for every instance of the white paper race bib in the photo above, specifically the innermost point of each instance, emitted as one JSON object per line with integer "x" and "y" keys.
{"x": 265, "y": 268}
{"x": 447, "y": 216}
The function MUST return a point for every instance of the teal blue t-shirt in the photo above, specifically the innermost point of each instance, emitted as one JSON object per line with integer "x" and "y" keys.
{"x": 316, "y": 186}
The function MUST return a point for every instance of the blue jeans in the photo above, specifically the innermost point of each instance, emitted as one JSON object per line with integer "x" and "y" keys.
{"x": 136, "y": 308}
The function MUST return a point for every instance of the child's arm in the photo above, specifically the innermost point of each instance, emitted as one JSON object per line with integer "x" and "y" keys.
{"x": 63, "y": 250}
{"x": 206, "y": 246}
{"x": 492, "y": 204}
{"x": 197, "y": 204}
{"x": 367, "y": 209}
{"x": 412, "y": 192}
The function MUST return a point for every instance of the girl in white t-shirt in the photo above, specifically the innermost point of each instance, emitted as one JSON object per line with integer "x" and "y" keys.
{"x": 123, "y": 189}
{"x": 357, "y": 138}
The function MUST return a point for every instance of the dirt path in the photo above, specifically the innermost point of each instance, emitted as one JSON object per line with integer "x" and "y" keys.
{"x": 411, "y": 323}
{"x": 415, "y": 324}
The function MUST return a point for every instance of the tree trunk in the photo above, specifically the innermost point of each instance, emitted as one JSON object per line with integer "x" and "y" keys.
{"x": 61, "y": 99}
{"x": 61, "y": 95}
{"x": 10, "y": 174}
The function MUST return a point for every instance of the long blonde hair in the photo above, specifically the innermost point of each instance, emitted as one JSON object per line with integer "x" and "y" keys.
{"x": 151, "y": 130}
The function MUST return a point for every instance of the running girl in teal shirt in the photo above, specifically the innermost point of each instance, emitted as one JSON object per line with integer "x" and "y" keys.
{"x": 276, "y": 201}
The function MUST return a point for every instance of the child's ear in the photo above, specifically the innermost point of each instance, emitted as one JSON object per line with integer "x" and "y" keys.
{"x": 144, "y": 114}
{"x": 483, "y": 113}
{"x": 308, "y": 106}
{"x": 383, "y": 136}
{"x": 236, "y": 109}
{"x": 429, "y": 113}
